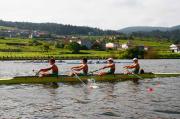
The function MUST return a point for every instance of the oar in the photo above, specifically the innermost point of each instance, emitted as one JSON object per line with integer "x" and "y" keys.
{"x": 137, "y": 76}
{"x": 36, "y": 72}
{"x": 78, "y": 77}
{"x": 95, "y": 70}
{"x": 134, "y": 74}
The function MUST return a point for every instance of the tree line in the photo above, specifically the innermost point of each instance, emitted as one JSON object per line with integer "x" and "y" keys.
{"x": 172, "y": 35}
{"x": 58, "y": 29}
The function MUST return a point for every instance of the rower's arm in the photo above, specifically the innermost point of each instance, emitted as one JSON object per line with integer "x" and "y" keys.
{"x": 46, "y": 69}
{"x": 131, "y": 66}
{"x": 108, "y": 66}
{"x": 80, "y": 68}
{"x": 75, "y": 67}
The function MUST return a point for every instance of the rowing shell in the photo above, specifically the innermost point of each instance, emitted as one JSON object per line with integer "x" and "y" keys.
{"x": 68, "y": 79}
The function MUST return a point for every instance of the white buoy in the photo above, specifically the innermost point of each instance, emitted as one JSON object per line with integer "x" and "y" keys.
{"x": 92, "y": 84}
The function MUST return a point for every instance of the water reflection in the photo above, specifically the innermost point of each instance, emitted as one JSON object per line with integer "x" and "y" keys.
{"x": 124, "y": 100}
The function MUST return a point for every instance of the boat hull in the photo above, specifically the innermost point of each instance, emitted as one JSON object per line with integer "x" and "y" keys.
{"x": 68, "y": 79}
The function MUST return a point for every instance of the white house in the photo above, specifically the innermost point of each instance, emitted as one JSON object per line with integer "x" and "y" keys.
{"x": 146, "y": 48}
{"x": 86, "y": 43}
{"x": 31, "y": 36}
{"x": 175, "y": 48}
{"x": 83, "y": 42}
{"x": 111, "y": 45}
{"x": 125, "y": 46}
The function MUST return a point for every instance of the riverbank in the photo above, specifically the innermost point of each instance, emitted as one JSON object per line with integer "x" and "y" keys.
{"x": 31, "y": 49}
{"x": 63, "y": 54}
{"x": 80, "y": 56}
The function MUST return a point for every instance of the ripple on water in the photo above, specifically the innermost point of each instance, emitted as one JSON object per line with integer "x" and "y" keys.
{"x": 121, "y": 100}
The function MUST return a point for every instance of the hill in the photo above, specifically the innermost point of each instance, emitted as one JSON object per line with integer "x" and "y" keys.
{"x": 6, "y": 28}
{"x": 142, "y": 29}
{"x": 58, "y": 29}
{"x": 175, "y": 28}
{"x": 130, "y": 30}
{"x": 169, "y": 33}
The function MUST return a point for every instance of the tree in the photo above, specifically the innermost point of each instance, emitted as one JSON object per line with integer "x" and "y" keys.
{"x": 59, "y": 45}
{"x": 34, "y": 43}
{"x": 151, "y": 54}
{"x": 59, "y": 29}
{"x": 84, "y": 47}
{"x": 2, "y": 37}
{"x": 176, "y": 42}
{"x": 74, "y": 47}
{"x": 46, "y": 47}
{"x": 97, "y": 46}
{"x": 134, "y": 52}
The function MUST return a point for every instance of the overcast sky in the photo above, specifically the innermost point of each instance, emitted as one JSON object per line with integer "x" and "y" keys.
{"x": 104, "y": 14}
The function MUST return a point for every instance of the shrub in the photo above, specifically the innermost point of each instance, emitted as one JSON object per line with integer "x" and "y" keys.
{"x": 74, "y": 47}
{"x": 46, "y": 47}
{"x": 84, "y": 47}
{"x": 34, "y": 43}
{"x": 59, "y": 45}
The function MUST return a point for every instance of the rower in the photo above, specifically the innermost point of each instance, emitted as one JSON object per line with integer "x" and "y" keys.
{"x": 135, "y": 66}
{"x": 111, "y": 66}
{"x": 53, "y": 68}
{"x": 82, "y": 67}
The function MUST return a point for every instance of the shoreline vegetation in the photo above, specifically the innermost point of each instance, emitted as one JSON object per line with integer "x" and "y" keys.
{"x": 78, "y": 57}
{"x": 33, "y": 49}
{"x": 64, "y": 58}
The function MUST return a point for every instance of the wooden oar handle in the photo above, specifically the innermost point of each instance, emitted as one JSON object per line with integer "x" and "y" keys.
{"x": 36, "y": 72}
{"x": 73, "y": 71}
{"x": 96, "y": 70}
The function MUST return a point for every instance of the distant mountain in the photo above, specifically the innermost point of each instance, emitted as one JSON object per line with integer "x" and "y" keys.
{"x": 58, "y": 29}
{"x": 142, "y": 29}
{"x": 175, "y": 27}
{"x": 147, "y": 29}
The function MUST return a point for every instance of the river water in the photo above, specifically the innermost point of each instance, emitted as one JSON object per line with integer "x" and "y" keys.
{"x": 157, "y": 98}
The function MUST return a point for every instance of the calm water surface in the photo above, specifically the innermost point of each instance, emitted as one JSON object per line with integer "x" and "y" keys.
{"x": 122, "y": 100}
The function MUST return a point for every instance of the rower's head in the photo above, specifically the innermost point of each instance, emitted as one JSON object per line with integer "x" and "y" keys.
{"x": 135, "y": 60}
{"x": 84, "y": 60}
{"x": 52, "y": 61}
{"x": 110, "y": 60}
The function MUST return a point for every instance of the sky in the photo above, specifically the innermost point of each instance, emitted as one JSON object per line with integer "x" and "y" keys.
{"x": 104, "y": 14}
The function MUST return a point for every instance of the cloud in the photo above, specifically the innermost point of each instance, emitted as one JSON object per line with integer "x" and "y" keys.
{"x": 126, "y": 3}
{"x": 106, "y": 14}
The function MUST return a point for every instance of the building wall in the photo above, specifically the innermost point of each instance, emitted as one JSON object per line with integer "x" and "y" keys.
{"x": 175, "y": 48}
{"x": 125, "y": 46}
{"x": 86, "y": 43}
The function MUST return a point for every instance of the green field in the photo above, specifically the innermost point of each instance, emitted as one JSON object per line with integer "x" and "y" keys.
{"x": 26, "y": 51}
{"x": 6, "y": 28}
{"x": 17, "y": 49}
{"x": 160, "y": 45}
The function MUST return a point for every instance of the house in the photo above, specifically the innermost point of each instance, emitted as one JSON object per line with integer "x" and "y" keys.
{"x": 146, "y": 48}
{"x": 99, "y": 45}
{"x": 83, "y": 42}
{"x": 31, "y": 36}
{"x": 125, "y": 46}
{"x": 175, "y": 48}
{"x": 86, "y": 43}
{"x": 111, "y": 45}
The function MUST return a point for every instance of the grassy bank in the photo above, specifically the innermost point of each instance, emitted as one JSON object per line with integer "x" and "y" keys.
{"x": 24, "y": 49}
{"x": 58, "y": 55}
